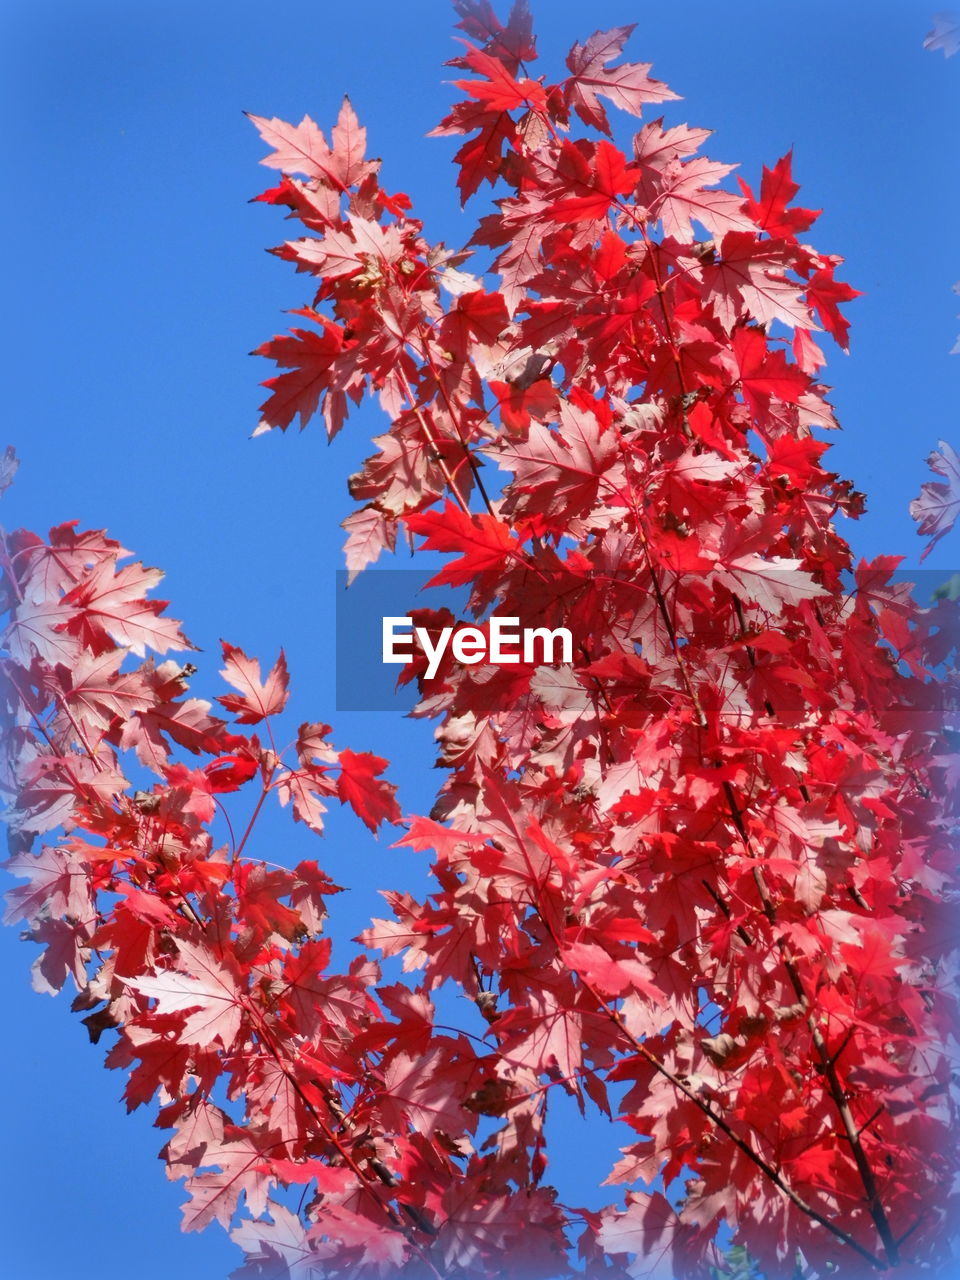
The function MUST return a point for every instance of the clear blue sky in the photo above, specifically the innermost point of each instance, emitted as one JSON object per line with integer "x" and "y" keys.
{"x": 137, "y": 283}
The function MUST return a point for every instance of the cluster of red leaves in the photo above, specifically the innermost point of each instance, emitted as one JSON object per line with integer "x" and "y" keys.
{"x": 211, "y": 966}
{"x": 699, "y": 877}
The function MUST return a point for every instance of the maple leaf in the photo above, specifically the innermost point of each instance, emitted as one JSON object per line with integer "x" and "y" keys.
{"x": 99, "y": 693}
{"x": 369, "y": 532}
{"x": 498, "y": 90}
{"x": 276, "y": 1250}
{"x": 302, "y": 148}
{"x": 305, "y": 984}
{"x": 485, "y": 541}
{"x": 764, "y": 373}
{"x": 349, "y": 147}
{"x": 305, "y": 787}
{"x": 817, "y": 1163}
{"x": 649, "y": 1229}
{"x": 259, "y": 891}
{"x": 749, "y": 278}
{"x": 50, "y": 569}
{"x": 945, "y": 35}
{"x": 545, "y": 1031}
{"x": 491, "y": 99}
{"x": 37, "y": 627}
{"x": 825, "y": 294}
{"x": 229, "y": 773}
{"x": 610, "y": 975}
{"x": 361, "y": 247}
{"x": 313, "y": 744}
{"x": 563, "y": 466}
{"x": 808, "y": 355}
{"x": 308, "y": 356}
{"x": 214, "y": 1194}
{"x": 423, "y": 1092}
{"x": 512, "y": 43}
{"x": 255, "y": 699}
{"x": 66, "y": 954}
{"x": 777, "y": 189}
{"x": 518, "y": 263}
{"x": 875, "y": 960}
{"x": 937, "y": 506}
{"x": 378, "y": 1246}
{"x": 680, "y": 195}
{"x": 654, "y": 146}
{"x": 187, "y": 722}
{"x": 476, "y": 314}
{"x": 204, "y": 989}
{"x": 197, "y": 1124}
{"x": 109, "y": 607}
{"x": 770, "y": 582}
{"x": 359, "y": 785}
{"x": 480, "y": 158}
{"x": 309, "y": 894}
{"x": 52, "y": 785}
{"x": 628, "y": 86}
{"x": 607, "y": 177}
{"x": 316, "y": 203}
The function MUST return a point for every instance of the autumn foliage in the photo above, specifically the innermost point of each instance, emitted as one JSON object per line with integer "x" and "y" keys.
{"x": 699, "y": 879}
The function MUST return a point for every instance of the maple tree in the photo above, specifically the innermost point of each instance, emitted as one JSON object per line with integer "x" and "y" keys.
{"x": 699, "y": 878}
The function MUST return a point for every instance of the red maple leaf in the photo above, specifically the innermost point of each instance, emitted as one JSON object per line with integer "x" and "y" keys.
{"x": 256, "y": 699}
{"x": 483, "y": 541}
{"x": 825, "y": 294}
{"x": 109, "y": 607}
{"x": 498, "y": 90}
{"x": 359, "y": 784}
{"x": 770, "y": 212}
{"x": 204, "y": 989}
{"x": 628, "y": 86}
{"x": 309, "y": 357}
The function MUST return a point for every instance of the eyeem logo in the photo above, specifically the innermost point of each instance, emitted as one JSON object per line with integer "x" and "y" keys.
{"x": 503, "y": 642}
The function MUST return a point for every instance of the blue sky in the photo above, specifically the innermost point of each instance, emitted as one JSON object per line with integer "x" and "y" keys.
{"x": 137, "y": 283}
